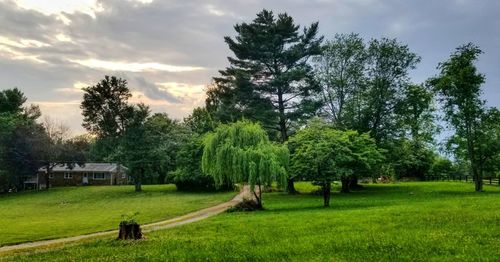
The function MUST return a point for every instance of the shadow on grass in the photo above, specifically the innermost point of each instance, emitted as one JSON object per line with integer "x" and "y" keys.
{"x": 373, "y": 196}
{"x": 334, "y": 206}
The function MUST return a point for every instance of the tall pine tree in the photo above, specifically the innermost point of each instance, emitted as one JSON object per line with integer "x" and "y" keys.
{"x": 269, "y": 78}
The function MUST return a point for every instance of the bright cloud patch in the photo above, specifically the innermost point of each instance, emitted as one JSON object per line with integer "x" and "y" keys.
{"x": 182, "y": 89}
{"x": 63, "y": 38}
{"x": 23, "y": 43}
{"x": 9, "y": 53}
{"x": 134, "y": 67}
{"x": 50, "y": 7}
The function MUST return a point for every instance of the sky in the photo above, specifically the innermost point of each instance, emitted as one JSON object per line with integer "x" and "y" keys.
{"x": 169, "y": 50}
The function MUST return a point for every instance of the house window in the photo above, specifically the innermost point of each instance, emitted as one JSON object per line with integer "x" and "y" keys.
{"x": 84, "y": 174}
{"x": 124, "y": 175}
{"x": 99, "y": 176}
{"x": 68, "y": 175}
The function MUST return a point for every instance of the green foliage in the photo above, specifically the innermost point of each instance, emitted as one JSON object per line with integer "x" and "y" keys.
{"x": 441, "y": 167}
{"x": 415, "y": 114}
{"x": 322, "y": 154}
{"x": 411, "y": 159}
{"x": 242, "y": 153}
{"x": 105, "y": 110}
{"x": 16, "y": 159}
{"x": 169, "y": 136}
{"x": 200, "y": 121}
{"x": 12, "y": 101}
{"x": 136, "y": 147}
{"x": 340, "y": 70}
{"x": 188, "y": 176}
{"x": 388, "y": 66}
{"x": 459, "y": 89}
{"x": 270, "y": 79}
{"x": 127, "y": 133}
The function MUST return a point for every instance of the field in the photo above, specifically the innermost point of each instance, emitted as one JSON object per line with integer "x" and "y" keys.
{"x": 440, "y": 221}
{"x": 70, "y": 211}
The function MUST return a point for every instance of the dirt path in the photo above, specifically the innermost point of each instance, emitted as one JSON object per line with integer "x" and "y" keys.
{"x": 173, "y": 222}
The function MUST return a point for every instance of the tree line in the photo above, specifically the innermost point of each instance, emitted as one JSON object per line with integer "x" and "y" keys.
{"x": 343, "y": 109}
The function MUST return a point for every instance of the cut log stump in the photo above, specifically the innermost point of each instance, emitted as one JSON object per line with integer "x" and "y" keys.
{"x": 130, "y": 231}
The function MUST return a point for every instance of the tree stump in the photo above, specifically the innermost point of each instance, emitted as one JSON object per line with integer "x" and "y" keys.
{"x": 129, "y": 231}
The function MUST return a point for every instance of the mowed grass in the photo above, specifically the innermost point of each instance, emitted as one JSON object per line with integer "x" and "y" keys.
{"x": 70, "y": 211}
{"x": 419, "y": 221}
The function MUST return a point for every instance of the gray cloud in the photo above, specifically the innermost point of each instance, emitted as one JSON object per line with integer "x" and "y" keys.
{"x": 190, "y": 33}
{"x": 153, "y": 91}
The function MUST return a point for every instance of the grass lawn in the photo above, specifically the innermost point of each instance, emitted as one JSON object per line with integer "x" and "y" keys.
{"x": 70, "y": 211}
{"x": 419, "y": 221}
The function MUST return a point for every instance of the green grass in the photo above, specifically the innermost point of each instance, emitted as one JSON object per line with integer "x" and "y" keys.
{"x": 70, "y": 211}
{"x": 419, "y": 221}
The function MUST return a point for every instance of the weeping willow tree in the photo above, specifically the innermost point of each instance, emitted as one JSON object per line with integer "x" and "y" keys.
{"x": 242, "y": 153}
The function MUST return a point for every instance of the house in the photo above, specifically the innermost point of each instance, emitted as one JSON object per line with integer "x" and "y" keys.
{"x": 87, "y": 174}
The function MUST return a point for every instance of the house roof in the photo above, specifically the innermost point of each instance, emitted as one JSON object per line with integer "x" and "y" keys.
{"x": 87, "y": 167}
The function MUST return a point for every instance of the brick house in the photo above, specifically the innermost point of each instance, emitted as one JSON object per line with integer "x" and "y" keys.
{"x": 88, "y": 174}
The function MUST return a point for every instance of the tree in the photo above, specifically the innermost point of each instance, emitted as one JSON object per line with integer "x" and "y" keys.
{"x": 32, "y": 146}
{"x": 441, "y": 166}
{"x": 105, "y": 110}
{"x": 490, "y": 142}
{"x": 12, "y": 100}
{"x": 414, "y": 111}
{"x": 388, "y": 65}
{"x": 52, "y": 148}
{"x": 16, "y": 119}
{"x": 242, "y": 153}
{"x": 410, "y": 158}
{"x": 188, "y": 175}
{"x": 136, "y": 148}
{"x": 16, "y": 150}
{"x": 322, "y": 154}
{"x": 340, "y": 72}
{"x": 169, "y": 135}
{"x": 270, "y": 77}
{"x": 411, "y": 153}
{"x": 200, "y": 121}
{"x": 459, "y": 89}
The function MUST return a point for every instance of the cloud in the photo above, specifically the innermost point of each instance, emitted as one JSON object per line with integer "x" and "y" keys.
{"x": 153, "y": 92}
{"x": 169, "y": 50}
{"x": 134, "y": 67}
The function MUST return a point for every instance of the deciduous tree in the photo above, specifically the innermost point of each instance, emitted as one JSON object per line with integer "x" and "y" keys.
{"x": 459, "y": 88}
{"x": 242, "y": 153}
{"x": 340, "y": 71}
{"x": 322, "y": 154}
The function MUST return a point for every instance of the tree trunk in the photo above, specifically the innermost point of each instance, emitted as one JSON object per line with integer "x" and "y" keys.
{"x": 130, "y": 231}
{"x": 47, "y": 177}
{"x": 353, "y": 183}
{"x": 138, "y": 186}
{"x": 138, "y": 181}
{"x": 345, "y": 185}
{"x": 258, "y": 198}
{"x": 478, "y": 179}
{"x": 327, "y": 187}
{"x": 291, "y": 186}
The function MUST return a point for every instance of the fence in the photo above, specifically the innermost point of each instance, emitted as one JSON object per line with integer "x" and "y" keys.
{"x": 467, "y": 178}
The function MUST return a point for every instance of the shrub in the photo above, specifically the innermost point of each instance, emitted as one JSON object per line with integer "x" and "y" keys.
{"x": 188, "y": 176}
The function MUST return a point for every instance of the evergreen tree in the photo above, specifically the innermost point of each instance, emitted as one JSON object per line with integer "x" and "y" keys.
{"x": 269, "y": 79}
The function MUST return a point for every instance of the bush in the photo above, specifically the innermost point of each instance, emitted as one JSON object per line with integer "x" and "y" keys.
{"x": 245, "y": 206}
{"x": 188, "y": 175}
{"x": 188, "y": 179}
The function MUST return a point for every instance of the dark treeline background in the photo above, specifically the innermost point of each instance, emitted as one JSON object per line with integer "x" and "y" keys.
{"x": 282, "y": 76}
